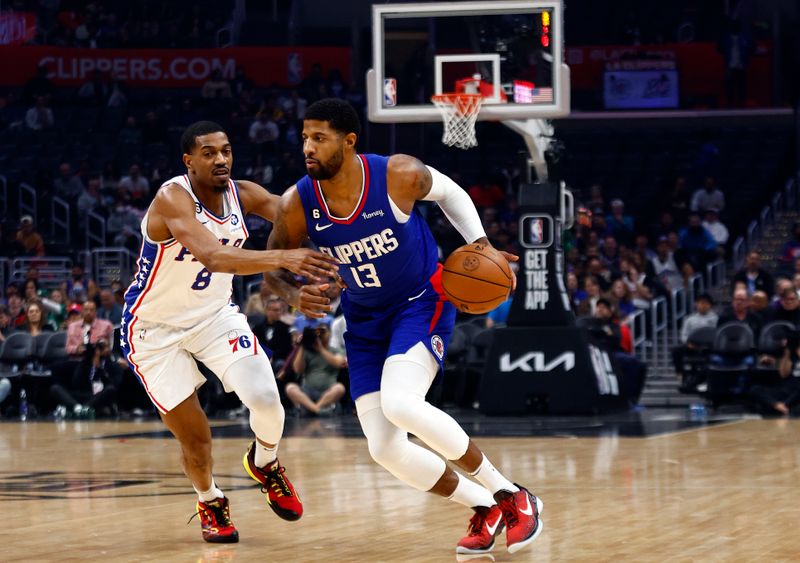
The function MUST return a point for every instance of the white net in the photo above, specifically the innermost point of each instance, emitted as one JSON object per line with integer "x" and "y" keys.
{"x": 459, "y": 113}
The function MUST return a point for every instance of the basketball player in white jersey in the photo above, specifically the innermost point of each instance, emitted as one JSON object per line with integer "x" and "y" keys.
{"x": 178, "y": 310}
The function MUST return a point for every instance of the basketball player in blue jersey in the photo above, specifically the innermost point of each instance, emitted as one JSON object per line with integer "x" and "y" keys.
{"x": 178, "y": 310}
{"x": 359, "y": 208}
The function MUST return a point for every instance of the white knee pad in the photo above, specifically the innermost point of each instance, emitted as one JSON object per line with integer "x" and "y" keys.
{"x": 389, "y": 447}
{"x": 405, "y": 380}
{"x": 251, "y": 378}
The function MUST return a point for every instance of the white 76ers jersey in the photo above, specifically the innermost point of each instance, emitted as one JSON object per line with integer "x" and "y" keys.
{"x": 171, "y": 286}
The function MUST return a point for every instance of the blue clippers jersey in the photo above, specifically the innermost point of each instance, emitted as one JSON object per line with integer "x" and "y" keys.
{"x": 382, "y": 260}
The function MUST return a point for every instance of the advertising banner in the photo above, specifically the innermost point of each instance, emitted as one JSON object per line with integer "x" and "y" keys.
{"x": 171, "y": 68}
{"x": 640, "y": 89}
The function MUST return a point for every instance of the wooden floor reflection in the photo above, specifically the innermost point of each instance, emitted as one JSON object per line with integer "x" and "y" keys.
{"x": 723, "y": 493}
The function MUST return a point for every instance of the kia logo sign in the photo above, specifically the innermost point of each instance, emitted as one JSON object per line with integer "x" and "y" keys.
{"x": 535, "y": 361}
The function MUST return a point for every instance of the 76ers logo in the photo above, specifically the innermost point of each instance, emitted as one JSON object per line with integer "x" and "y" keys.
{"x": 437, "y": 345}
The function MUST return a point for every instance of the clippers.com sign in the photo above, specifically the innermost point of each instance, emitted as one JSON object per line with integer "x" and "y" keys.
{"x": 175, "y": 68}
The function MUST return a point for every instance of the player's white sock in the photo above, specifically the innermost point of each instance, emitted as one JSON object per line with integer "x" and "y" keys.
{"x": 471, "y": 494}
{"x": 265, "y": 455}
{"x": 492, "y": 479}
{"x": 209, "y": 495}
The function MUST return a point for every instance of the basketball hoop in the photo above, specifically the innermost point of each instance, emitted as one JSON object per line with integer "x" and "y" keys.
{"x": 459, "y": 114}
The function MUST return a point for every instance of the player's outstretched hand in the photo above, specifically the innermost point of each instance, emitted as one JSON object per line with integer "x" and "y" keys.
{"x": 511, "y": 258}
{"x": 313, "y": 302}
{"x": 310, "y": 264}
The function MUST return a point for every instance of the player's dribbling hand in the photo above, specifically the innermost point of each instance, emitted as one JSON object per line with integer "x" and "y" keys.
{"x": 511, "y": 258}
{"x": 310, "y": 264}
{"x": 312, "y": 301}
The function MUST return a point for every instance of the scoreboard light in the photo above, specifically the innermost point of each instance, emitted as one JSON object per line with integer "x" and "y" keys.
{"x": 545, "y": 37}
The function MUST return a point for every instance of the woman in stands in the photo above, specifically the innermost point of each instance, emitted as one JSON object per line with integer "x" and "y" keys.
{"x": 35, "y": 322}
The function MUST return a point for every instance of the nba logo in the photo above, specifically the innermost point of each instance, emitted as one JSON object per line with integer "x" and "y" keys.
{"x": 537, "y": 231}
{"x": 389, "y": 92}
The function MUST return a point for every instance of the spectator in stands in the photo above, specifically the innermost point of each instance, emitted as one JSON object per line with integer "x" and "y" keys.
{"x": 754, "y": 276}
{"x": 6, "y": 326}
{"x": 641, "y": 286}
{"x": 698, "y": 244}
{"x": 588, "y": 306}
{"x": 609, "y": 253}
{"x": 122, "y": 226}
{"x": 40, "y": 116}
{"x": 641, "y": 246}
{"x": 264, "y": 134}
{"x": 317, "y": 367}
{"x": 55, "y": 308}
{"x": 76, "y": 284}
{"x": 109, "y": 310}
{"x": 622, "y": 296}
{"x": 486, "y": 194}
{"x": 94, "y": 385}
{"x": 67, "y": 185}
{"x": 35, "y": 320}
{"x": 786, "y": 309}
{"x": 118, "y": 97}
{"x": 781, "y": 285}
{"x": 95, "y": 91}
{"x": 704, "y": 316}
{"x": 665, "y": 267}
{"x": 574, "y": 292}
{"x": 240, "y": 83}
{"x": 257, "y": 302}
{"x": 602, "y": 274}
{"x": 31, "y": 241}
{"x": 739, "y": 311}
{"x": 16, "y": 309}
{"x": 89, "y": 331}
{"x": 273, "y": 333}
{"x": 782, "y": 397}
{"x": 130, "y": 133}
{"x": 617, "y": 337}
{"x": 216, "y": 87}
{"x": 717, "y": 229}
{"x": 759, "y": 304}
{"x": 791, "y": 250}
{"x": 134, "y": 187}
{"x": 708, "y": 197}
{"x": 620, "y": 225}
{"x": 31, "y": 291}
{"x": 89, "y": 200}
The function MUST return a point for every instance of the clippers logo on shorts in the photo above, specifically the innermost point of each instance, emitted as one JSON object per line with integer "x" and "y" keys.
{"x": 437, "y": 345}
{"x": 536, "y": 231}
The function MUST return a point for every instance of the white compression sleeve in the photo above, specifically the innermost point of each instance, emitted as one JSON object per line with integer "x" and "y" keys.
{"x": 456, "y": 205}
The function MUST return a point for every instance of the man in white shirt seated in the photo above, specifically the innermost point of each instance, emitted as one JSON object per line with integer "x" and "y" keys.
{"x": 703, "y": 316}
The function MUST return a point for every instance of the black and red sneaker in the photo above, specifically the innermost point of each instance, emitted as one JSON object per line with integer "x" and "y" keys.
{"x": 484, "y": 526}
{"x": 215, "y": 521}
{"x": 521, "y": 517}
{"x": 280, "y": 494}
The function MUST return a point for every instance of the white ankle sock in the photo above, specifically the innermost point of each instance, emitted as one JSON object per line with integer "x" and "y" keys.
{"x": 492, "y": 479}
{"x": 471, "y": 494}
{"x": 264, "y": 455}
{"x": 210, "y": 494}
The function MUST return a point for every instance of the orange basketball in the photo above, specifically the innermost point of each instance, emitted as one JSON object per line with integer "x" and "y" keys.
{"x": 476, "y": 278}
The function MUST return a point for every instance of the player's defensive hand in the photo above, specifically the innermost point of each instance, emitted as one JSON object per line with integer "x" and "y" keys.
{"x": 310, "y": 263}
{"x": 511, "y": 258}
{"x": 313, "y": 302}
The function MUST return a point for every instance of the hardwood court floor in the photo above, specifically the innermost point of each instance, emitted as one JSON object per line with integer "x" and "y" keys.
{"x": 718, "y": 493}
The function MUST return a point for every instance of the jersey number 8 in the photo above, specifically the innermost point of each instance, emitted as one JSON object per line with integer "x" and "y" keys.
{"x": 202, "y": 281}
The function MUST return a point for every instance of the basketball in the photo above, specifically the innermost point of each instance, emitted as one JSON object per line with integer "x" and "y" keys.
{"x": 476, "y": 278}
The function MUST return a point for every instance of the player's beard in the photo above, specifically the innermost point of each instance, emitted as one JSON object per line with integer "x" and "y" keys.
{"x": 329, "y": 169}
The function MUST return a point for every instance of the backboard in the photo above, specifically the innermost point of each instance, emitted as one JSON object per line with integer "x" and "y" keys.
{"x": 510, "y": 51}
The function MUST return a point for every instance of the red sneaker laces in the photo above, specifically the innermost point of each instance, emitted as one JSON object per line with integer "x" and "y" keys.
{"x": 509, "y": 508}
{"x": 476, "y": 524}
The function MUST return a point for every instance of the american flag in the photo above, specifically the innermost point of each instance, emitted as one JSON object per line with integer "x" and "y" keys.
{"x": 527, "y": 93}
{"x": 541, "y": 96}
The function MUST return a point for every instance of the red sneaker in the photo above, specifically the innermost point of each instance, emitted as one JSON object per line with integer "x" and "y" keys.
{"x": 280, "y": 494}
{"x": 521, "y": 517}
{"x": 215, "y": 521}
{"x": 484, "y": 526}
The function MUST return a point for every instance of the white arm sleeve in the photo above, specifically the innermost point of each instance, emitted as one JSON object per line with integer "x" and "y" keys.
{"x": 456, "y": 205}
